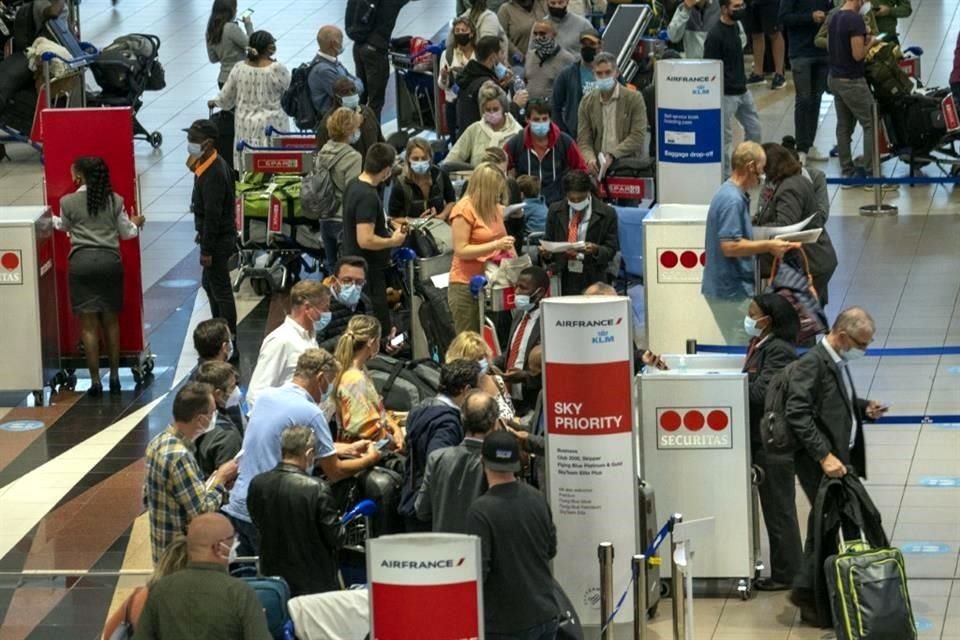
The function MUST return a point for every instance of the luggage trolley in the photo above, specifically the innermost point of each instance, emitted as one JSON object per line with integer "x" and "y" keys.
{"x": 290, "y": 139}
{"x": 416, "y": 63}
{"x": 273, "y": 237}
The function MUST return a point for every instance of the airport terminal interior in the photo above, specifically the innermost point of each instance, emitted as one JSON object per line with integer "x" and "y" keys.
{"x": 70, "y": 492}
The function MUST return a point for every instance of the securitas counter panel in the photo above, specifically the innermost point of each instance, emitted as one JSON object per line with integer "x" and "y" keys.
{"x": 591, "y": 450}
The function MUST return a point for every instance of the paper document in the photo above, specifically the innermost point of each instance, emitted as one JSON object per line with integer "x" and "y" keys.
{"x": 766, "y": 233}
{"x": 602, "y": 161}
{"x": 513, "y": 210}
{"x": 808, "y": 236}
{"x": 441, "y": 281}
{"x": 560, "y": 247}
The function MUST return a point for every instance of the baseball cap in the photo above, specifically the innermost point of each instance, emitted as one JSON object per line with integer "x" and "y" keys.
{"x": 501, "y": 451}
{"x": 203, "y": 130}
{"x": 590, "y": 37}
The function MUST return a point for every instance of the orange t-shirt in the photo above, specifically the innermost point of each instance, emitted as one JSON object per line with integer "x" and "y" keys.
{"x": 461, "y": 270}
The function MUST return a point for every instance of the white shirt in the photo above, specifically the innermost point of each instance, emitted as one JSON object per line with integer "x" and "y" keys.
{"x": 847, "y": 386}
{"x": 278, "y": 357}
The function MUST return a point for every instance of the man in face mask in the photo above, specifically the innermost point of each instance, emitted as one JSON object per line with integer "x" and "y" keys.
{"x": 723, "y": 43}
{"x": 545, "y": 59}
{"x": 326, "y": 68}
{"x": 222, "y": 440}
{"x": 569, "y": 25}
{"x": 532, "y": 287}
{"x": 348, "y": 300}
{"x": 826, "y": 416}
{"x": 573, "y": 83}
{"x": 309, "y": 315}
{"x": 213, "y": 215}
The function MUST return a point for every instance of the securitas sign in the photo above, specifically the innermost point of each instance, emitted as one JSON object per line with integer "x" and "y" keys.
{"x": 694, "y": 428}
{"x": 422, "y": 564}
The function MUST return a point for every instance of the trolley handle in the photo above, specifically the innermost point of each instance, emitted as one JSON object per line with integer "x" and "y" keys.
{"x": 49, "y": 56}
{"x": 243, "y": 145}
{"x": 273, "y": 131}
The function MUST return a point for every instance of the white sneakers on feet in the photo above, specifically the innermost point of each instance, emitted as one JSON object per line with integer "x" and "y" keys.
{"x": 803, "y": 158}
{"x": 816, "y": 155}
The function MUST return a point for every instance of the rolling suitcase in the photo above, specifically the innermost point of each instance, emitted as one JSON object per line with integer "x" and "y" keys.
{"x": 649, "y": 527}
{"x": 274, "y": 593}
{"x": 868, "y": 593}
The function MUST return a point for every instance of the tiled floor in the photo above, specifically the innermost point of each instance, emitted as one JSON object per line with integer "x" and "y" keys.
{"x": 69, "y": 493}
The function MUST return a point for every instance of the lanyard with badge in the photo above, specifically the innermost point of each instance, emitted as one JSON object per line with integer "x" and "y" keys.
{"x": 575, "y": 229}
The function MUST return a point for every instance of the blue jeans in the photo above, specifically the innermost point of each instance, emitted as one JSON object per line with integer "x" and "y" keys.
{"x": 810, "y": 80}
{"x": 744, "y": 110}
{"x": 330, "y": 231}
{"x": 544, "y": 631}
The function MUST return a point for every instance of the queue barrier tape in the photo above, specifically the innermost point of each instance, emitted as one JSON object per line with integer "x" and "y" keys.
{"x": 876, "y": 353}
{"x": 901, "y": 180}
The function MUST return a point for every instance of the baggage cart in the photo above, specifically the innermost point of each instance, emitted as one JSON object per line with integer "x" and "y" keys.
{"x": 418, "y": 94}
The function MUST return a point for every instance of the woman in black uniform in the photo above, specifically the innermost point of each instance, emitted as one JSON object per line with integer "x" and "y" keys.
{"x": 95, "y": 218}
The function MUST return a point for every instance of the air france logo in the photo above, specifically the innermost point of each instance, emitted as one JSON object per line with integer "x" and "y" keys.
{"x": 589, "y": 324}
{"x": 419, "y": 565}
{"x": 695, "y": 79}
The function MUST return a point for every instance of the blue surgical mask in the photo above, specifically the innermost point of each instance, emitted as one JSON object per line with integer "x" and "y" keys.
{"x": 605, "y": 84}
{"x": 854, "y": 354}
{"x": 322, "y": 322}
{"x": 484, "y": 366}
{"x": 750, "y": 326}
{"x": 350, "y": 102}
{"x": 523, "y": 302}
{"x": 420, "y": 167}
{"x": 355, "y": 137}
{"x": 349, "y": 295}
{"x": 195, "y": 149}
{"x": 500, "y": 70}
{"x": 540, "y": 129}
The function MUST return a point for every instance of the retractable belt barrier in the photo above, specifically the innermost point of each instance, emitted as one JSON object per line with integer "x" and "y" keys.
{"x": 865, "y": 181}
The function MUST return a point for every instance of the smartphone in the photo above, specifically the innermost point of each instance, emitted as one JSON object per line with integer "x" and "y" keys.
{"x": 396, "y": 342}
{"x": 383, "y": 444}
{"x": 246, "y": 14}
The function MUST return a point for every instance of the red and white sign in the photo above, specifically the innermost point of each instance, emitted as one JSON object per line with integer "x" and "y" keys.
{"x": 278, "y": 162}
{"x": 949, "y": 109}
{"x": 910, "y": 66}
{"x": 591, "y": 440}
{"x": 239, "y": 203}
{"x": 297, "y": 142}
{"x": 11, "y": 266}
{"x": 628, "y": 188}
{"x": 275, "y": 219}
{"x": 694, "y": 428}
{"x": 425, "y": 586}
{"x": 680, "y": 265}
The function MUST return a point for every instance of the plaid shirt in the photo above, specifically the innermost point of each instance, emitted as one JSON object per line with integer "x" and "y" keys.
{"x": 174, "y": 491}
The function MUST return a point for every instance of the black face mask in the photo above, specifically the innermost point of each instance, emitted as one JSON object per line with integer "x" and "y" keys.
{"x": 587, "y": 54}
{"x": 738, "y": 14}
{"x": 462, "y": 39}
{"x": 558, "y": 12}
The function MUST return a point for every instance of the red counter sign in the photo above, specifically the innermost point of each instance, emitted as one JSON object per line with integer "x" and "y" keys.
{"x": 588, "y": 400}
{"x": 680, "y": 265}
{"x": 425, "y": 586}
{"x": 694, "y": 428}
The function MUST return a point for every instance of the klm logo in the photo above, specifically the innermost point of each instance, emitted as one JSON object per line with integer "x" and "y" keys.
{"x": 602, "y": 337}
{"x": 701, "y": 90}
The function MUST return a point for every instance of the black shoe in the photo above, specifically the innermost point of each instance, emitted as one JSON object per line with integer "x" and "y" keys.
{"x": 755, "y": 78}
{"x": 769, "y": 584}
{"x": 95, "y": 390}
{"x": 114, "y": 386}
{"x": 803, "y": 599}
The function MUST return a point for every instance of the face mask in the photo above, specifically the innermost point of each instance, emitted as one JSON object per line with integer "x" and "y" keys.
{"x": 750, "y": 326}
{"x": 587, "y": 54}
{"x": 493, "y": 118}
{"x": 523, "y": 302}
{"x": 540, "y": 129}
{"x": 231, "y": 552}
{"x": 355, "y": 136}
{"x": 738, "y": 14}
{"x": 500, "y": 70}
{"x": 229, "y": 351}
{"x": 866, "y": 8}
{"x": 462, "y": 39}
{"x": 349, "y": 295}
{"x": 557, "y": 12}
{"x": 420, "y": 166}
{"x": 340, "y": 51}
{"x": 195, "y": 149}
{"x": 484, "y": 366}
{"x": 350, "y": 102}
{"x": 579, "y": 206}
{"x": 605, "y": 84}
{"x": 210, "y": 427}
{"x": 322, "y": 321}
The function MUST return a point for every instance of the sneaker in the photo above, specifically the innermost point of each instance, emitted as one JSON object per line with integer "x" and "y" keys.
{"x": 779, "y": 82}
{"x": 835, "y": 152}
{"x": 884, "y": 188}
{"x": 803, "y": 158}
{"x": 755, "y": 78}
{"x": 858, "y": 174}
{"x": 816, "y": 155}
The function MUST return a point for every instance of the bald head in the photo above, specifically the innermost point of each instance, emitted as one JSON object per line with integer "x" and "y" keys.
{"x": 854, "y": 319}
{"x": 480, "y": 413}
{"x": 209, "y": 538}
{"x": 330, "y": 40}
{"x": 600, "y": 289}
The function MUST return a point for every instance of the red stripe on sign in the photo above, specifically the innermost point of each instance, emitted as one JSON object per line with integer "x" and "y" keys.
{"x": 425, "y": 612}
{"x": 588, "y": 399}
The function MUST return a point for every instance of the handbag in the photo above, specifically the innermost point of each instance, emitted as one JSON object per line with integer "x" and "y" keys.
{"x": 792, "y": 280}
{"x": 124, "y": 630}
{"x": 506, "y": 271}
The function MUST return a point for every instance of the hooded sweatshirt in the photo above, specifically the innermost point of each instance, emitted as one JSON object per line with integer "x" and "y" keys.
{"x": 562, "y": 155}
{"x": 472, "y": 78}
{"x": 476, "y": 138}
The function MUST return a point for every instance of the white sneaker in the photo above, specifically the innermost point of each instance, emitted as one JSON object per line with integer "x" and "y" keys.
{"x": 816, "y": 155}
{"x": 803, "y": 158}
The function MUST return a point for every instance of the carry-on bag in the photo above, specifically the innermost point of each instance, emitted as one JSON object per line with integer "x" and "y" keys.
{"x": 868, "y": 593}
{"x": 649, "y": 527}
{"x": 400, "y": 383}
{"x": 274, "y": 593}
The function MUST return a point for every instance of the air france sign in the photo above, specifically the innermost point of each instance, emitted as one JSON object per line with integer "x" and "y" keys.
{"x": 694, "y": 428}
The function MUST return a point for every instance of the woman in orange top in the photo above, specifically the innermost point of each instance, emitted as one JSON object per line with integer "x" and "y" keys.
{"x": 478, "y": 236}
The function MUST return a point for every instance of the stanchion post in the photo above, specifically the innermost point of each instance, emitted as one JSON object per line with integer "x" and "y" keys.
{"x": 640, "y": 596}
{"x": 691, "y": 346}
{"x": 878, "y": 208}
{"x": 677, "y": 583}
{"x": 605, "y": 554}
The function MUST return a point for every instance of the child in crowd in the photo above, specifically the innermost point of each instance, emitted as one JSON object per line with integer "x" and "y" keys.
{"x": 534, "y": 207}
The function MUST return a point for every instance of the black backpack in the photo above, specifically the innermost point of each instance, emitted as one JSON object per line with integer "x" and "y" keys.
{"x": 775, "y": 434}
{"x": 359, "y": 19}
{"x": 296, "y": 100}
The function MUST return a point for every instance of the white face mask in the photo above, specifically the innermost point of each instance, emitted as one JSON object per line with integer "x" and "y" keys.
{"x": 229, "y": 351}
{"x": 579, "y": 206}
{"x": 232, "y": 551}
{"x": 750, "y": 326}
{"x": 854, "y": 354}
{"x": 210, "y": 427}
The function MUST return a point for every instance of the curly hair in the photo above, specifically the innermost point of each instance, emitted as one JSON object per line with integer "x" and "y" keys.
{"x": 96, "y": 176}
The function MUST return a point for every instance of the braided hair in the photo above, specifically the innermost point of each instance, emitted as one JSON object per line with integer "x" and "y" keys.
{"x": 96, "y": 176}
{"x": 262, "y": 44}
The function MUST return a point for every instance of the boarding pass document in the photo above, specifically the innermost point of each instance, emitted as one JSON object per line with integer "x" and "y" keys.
{"x": 560, "y": 247}
{"x": 766, "y": 233}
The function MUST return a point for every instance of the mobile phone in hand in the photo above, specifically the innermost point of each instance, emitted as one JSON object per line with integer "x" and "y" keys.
{"x": 246, "y": 14}
{"x": 396, "y": 342}
{"x": 383, "y": 444}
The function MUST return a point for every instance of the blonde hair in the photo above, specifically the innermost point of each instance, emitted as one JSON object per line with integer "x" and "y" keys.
{"x": 342, "y": 122}
{"x": 360, "y": 331}
{"x": 494, "y": 155}
{"x": 489, "y": 90}
{"x": 745, "y": 153}
{"x": 468, "y": 345}
{"x": 486, "y": 190}
{"x": 415, "y": 143}
{"x": 174, "y": 558}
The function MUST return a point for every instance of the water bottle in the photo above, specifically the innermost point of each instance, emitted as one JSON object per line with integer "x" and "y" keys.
{"x": 518, "y": 84}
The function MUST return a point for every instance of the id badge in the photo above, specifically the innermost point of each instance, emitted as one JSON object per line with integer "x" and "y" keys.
{"x": 575, "y": 265}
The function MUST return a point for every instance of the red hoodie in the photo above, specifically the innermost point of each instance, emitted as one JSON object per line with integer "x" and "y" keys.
{"x": 562, "y": 155}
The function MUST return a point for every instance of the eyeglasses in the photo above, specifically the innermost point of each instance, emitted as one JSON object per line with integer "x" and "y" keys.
{"x": 858, "y": 343}
{"x": 346, "y": 281}
{"x": 541, "y": 34}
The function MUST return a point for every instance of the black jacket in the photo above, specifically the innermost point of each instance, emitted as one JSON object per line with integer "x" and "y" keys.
{"x": 601, "y": 230}
{"x": 769, "y": 357}
{"x": 432, "y": 425}
{"x": 300, "y": 533}
{"x": 220, "y": 445}
{"x": 340, "y": 315}
{"x": 384, "y": 21}
{"x": 532, "y": 385}
{"x": 818, "y": 410}
{"x": 212, "y": 204}
{"x": 471, "y": 79}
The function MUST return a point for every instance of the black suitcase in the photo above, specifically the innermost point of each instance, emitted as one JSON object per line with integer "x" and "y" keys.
{"x": 383, "y": 486}
{"x": 403, "y": 385}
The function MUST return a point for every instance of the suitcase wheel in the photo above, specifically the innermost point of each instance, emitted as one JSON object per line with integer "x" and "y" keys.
{"x": 155, "y": 139}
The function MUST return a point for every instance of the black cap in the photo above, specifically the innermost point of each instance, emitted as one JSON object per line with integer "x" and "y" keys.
{"x": 501, "y": 451}
{"x": 203, "y": 130}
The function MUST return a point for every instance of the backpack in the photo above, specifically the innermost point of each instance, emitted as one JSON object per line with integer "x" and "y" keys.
{"x": 775, "y": 434}
{"x": 884, "y": 74}
{"x": 296, "y": 100}
{"x": 320, "y": 197}
{"x": 359, "y": 19}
